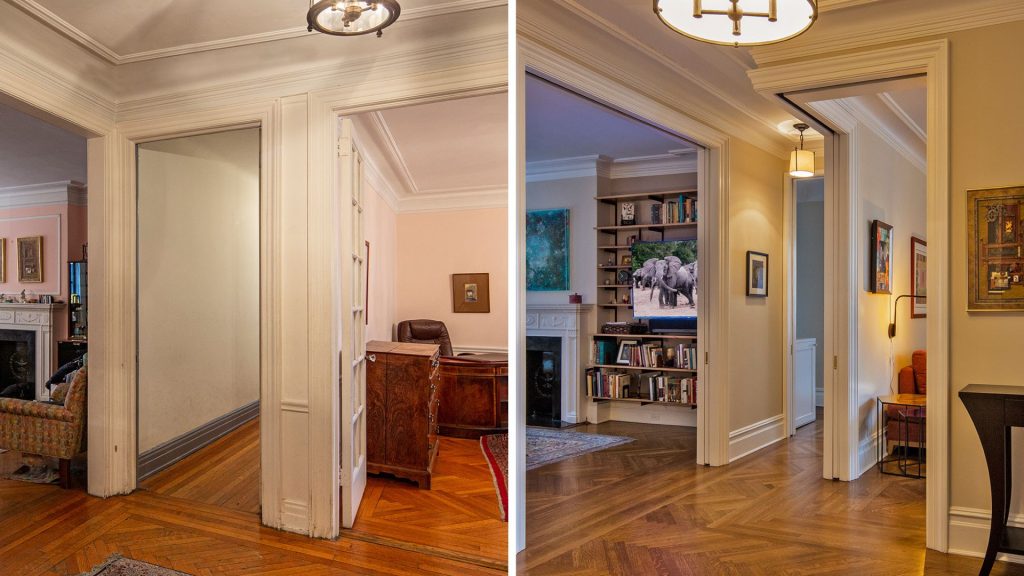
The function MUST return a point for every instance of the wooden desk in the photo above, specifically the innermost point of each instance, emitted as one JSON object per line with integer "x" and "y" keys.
{"x": 994, "y": 410}
{"x": 474, "y": 395}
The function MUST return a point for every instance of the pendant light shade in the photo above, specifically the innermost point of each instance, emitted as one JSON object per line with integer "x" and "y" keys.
{"x": 351, "y": 17}
{"x": 738, "y": 22}
{"x": 801, "y": 162}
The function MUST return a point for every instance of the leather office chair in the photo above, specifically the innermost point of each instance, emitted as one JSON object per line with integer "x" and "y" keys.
{"x": 426, "y": 332}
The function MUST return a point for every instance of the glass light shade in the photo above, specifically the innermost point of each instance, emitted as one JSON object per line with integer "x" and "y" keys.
{"x": 720, "y": 20}
{"x": 352, "y": 17}
{"x": 801, "y": 163}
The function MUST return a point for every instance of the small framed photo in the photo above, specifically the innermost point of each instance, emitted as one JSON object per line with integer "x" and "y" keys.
{"x": 30, "y": 259}
{"x": 625, "y": 352}
{"x": 881, "y": 257}
{"x": 471, "y": 293}
{"x": 757, "y": 274}
{"x": 627, "y": 260}
{"x": 627, "y": 214}
{"x": 919, "y": 277}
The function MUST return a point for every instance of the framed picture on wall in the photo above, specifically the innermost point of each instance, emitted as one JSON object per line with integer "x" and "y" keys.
{"x": 918, "y": 276}
{"x": 881, "y": 257}
{"x": 547, "y": 250}
{"x": 757, "y": 274}
{"x": 995, "y": 246}
{"x": 471, "y": 293}
{"x": 30, "y": 259}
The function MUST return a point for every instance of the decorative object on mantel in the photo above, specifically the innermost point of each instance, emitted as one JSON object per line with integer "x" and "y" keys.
{"x": 547, "y": 250}
{"x": 575, "y": 298}
{"x": 30, "y": 259}
{"x": 801, "y": 162}
{"x": 918, "y": 277}
{"x": 995, "y": 249}
{"x": 738, "y": 25}
{"x": 881, "y": 257}
{"x": 471, "y": 293}
{"x": 352, "y": 17}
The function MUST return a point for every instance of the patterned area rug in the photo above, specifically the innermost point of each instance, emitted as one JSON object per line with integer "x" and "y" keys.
{"x": 118, "y": 565}
{"x": 543, "y": 447}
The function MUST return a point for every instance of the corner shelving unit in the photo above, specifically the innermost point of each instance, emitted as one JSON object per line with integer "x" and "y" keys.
{"x": 613, "y": 293}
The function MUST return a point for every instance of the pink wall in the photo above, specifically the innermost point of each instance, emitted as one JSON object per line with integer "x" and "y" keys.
{"x": 434, "y": 245}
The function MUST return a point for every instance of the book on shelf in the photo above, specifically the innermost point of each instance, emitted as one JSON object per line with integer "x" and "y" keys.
{"x": 650, "y": 386}
{"x": 683, "y": 356}
{"x": 656, "y": 213}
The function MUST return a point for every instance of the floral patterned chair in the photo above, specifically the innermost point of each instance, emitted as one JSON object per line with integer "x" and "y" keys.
{"x": 48, "y": 429}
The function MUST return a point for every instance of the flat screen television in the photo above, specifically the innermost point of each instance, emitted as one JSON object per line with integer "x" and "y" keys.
{"x": 664, "y": 284}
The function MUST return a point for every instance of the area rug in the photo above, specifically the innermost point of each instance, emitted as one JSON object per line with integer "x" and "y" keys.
{"x": 118, "y": 565}
{"x": 543, "y": 447}
{"x": 35, "y": 474}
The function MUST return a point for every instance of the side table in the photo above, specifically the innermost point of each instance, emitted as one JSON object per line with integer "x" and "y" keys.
{"x": 901, "y": 421}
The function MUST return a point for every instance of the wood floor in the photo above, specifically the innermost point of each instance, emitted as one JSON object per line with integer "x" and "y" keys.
{"x": 200, "y": 517}
{"x": 646, "y": 508}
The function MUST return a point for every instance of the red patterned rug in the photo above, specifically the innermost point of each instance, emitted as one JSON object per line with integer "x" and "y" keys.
{"x": 118, "y": 565}
{"x": 495, "y": 449}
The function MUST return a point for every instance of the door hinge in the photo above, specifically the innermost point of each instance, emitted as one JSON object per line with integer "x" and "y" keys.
{"x": 707, "y": 358}
{"x": 835, "y": 362}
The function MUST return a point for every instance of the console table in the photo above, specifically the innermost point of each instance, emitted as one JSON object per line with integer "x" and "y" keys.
{"x": 994, "y": 410}
{"x": 474, "y": 395}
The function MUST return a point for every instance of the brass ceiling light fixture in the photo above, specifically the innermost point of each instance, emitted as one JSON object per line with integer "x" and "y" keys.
{"x": 738, "y": 22}
{"x": 351, "y": 17}
{"x": 801, "y": 162}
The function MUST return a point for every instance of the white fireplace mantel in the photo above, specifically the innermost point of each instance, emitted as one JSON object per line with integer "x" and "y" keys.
{"x": 38, "y": 318}
{"x": 562, "y": 321}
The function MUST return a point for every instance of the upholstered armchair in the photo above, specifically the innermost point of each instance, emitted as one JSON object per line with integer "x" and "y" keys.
{"x": 48, "y": 429}
{"x": 904, "y": 421}
{"x": 426, "y": 332}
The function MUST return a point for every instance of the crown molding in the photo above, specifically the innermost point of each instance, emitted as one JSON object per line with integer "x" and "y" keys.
{"x": 912, "y": 25}
{"x": 902, "y": 115}
{"x": 564, "y": 168}
{"x": 659, "y": 165}
{"x": 457, "y": 199}
{"x": 392, "y": 153}
{"x": 913, "y": 152}
{"x": 67, "y": 29}
{"x": 598, "y": 166}
{"x": 45, "y": 194}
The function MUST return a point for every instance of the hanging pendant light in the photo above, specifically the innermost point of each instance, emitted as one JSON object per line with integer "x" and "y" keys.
{"x": 801, "y": 162}
{"x": 738, "y": 22}
{"x": 351, "y": 17}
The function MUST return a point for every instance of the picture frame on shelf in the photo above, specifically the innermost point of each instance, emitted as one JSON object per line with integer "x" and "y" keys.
{"x": 627, "y": 214}
{"x": 622, "y": 277}
{"x": 627, "y": 260}
{"x": 918, "y": 277}
{"x": 757, "y": 274}
{"x": 881, "y": 257}
{"x": 995, "y": 243}
{"x": 30, "y": 259}
{"x": 624, "y": 356}
{"x": 471, "y": 293}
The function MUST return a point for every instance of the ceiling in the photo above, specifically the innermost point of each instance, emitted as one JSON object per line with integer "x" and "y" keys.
{"x": 35, "y": 152}
{"x": 561, "y": 124}
{"x": 447, "y": 154}
{"x": 129, "y": 30}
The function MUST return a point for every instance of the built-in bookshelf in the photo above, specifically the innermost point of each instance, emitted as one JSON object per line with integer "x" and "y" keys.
{"x": 644, "y": 369}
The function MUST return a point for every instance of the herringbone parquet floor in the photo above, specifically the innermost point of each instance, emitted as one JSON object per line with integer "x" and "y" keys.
{"x": 646, "y": 509}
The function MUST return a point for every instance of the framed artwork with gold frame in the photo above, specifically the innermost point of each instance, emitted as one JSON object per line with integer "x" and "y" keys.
{"x": 30, "y": 259}
{"x": 995, "y": 249}
{"x": 471, "y": 293}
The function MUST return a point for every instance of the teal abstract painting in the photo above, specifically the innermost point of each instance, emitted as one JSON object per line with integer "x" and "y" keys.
{"x": 547, "y": 250}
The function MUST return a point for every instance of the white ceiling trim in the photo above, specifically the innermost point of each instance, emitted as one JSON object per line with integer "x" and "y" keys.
{"x": 393, "y": 153}
{"x": 902, "y": 115}
{"x": 653, "y": 54}
{"x": 659, "y": 165}
{"x": 867, "y": 118}
{"x": 564, "y": 168}
{"x": 461, "y": 199}
{"x": 64, "y": 27}
{"x": 380, "y": 183}
{"x": 919, "y": 24}
{"x": 45, "y": 194}
{"x": 598, "y": 166}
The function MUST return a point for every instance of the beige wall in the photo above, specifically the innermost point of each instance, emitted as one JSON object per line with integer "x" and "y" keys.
{"x": 987, "y": 79}
{"x": 576, "y": 194}
{"x": 756, "y": 211}
{"x": 434, "y": 245}
{"x": 198, "y": 274}
{"x": 893, "y": 191}
{"x": 381, "y": 225}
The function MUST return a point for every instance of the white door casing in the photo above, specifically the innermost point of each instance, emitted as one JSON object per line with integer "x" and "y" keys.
{"x": 353, "y": 326}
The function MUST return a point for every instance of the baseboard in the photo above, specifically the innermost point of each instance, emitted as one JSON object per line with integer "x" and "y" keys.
{"x": 160, "y": 457}
{"x": 750, "y": 439}
{"x": 819, "y": 397}
{"x": 479, "y": 350}
{"x": 968, "y": 532}
{"x": 295, "y": 516}
{"x": 867, "y": 452}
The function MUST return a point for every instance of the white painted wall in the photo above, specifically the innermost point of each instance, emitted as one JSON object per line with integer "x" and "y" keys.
{"x": 382, "y": 234}
{"x": 890, "y": 189}
{"x": 810, "y": 275}
{"x": 198, "y": 270}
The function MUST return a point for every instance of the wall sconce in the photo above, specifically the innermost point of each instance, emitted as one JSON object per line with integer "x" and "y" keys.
{"x": 895, "y": 306}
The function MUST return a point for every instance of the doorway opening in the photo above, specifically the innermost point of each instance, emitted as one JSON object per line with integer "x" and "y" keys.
{"x": 198, "y": 258}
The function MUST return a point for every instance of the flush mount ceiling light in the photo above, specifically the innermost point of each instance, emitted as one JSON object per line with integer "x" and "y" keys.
{"x": 738, "y": 22}
{"x": 351, "y": 17}
{"x": 801, "y": 162}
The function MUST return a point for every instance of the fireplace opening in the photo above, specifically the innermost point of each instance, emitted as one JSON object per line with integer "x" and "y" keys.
{"x": 18, "y": 364}
{"x": 544, "y": 381}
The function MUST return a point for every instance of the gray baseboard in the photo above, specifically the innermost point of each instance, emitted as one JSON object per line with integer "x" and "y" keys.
{"x": 159, "y": 457}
